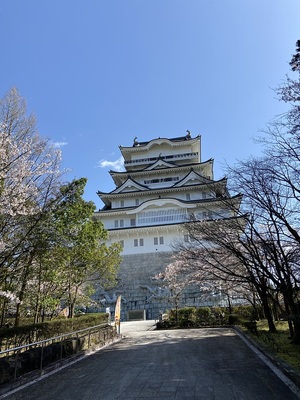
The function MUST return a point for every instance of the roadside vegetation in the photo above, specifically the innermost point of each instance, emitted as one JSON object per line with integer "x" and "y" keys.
{"x": 53, "y": 253}
{"x": 34, "y": 347}
{"x": 278, "y": 344}
{"x": 28, "y": 333}
{"x": 251, "y": 255}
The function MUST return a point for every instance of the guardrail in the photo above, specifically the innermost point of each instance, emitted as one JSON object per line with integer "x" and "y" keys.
{"x": 36, "y": 356}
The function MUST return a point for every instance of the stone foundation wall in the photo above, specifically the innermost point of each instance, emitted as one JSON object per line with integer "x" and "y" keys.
{"x": 140, "y": 291}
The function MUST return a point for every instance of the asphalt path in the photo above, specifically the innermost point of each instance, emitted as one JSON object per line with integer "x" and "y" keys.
{"x": 207, "y": 364}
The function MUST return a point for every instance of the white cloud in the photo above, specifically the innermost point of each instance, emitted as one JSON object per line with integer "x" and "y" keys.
{"x": 59, "y": 144}
{"x": 117, "y": 165}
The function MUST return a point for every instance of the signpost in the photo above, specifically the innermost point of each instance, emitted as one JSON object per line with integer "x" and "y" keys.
{"x": 107, "y": 310}
{"x": 118, "y": 315}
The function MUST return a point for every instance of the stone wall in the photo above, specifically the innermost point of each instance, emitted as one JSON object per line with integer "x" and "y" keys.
{"x": 140, "y": 291}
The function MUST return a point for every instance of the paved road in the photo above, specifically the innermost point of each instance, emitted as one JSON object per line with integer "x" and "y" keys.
{"x": 207, "y": 364}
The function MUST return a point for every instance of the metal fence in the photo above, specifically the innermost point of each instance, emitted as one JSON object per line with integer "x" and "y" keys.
{"x": 84, "y": 340}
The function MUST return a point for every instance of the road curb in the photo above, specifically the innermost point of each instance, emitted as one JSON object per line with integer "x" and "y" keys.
{"x": 285, "y": 368}
{"x": 35, "y": 376}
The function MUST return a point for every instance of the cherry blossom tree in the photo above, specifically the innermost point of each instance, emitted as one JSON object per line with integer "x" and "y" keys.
{"x": 29, "y": 185}
{"x": 174, "y": 280}
{"x": 259, "y": 247}
{"x": 52, "y": 250}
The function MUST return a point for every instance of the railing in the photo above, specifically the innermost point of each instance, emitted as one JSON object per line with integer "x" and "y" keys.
{"x": 170, "y": 157}
{"x": 67, "y": 347}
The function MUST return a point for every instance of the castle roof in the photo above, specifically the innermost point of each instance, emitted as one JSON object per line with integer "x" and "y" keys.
{"x": 132, "y": 188}
{"x": 184, "y": 203}
{"x": 136, "y": 143}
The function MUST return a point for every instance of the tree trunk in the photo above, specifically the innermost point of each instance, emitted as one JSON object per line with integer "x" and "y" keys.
{"x": 71, "y": 310}
{"x": 24, "y": 279}
{"x": 17, "y": 317}
{"x": 43, "y": 314}
{"x": 38, "y": 295}
{"x": 3, "y": 312}
{"x": 295, "y": 311}
{"x": 72, "y": 302}
{"x": 36, "y": 314}
{"x": 296, "y": 336}
{"x": 268, "y": 313}
{"x": 229, "y": 304}
{"x": 288, "y": 312}
{"x": 21, "y": 296}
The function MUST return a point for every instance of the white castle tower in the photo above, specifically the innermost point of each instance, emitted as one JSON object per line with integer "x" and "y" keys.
{"x": 164, "y": 183}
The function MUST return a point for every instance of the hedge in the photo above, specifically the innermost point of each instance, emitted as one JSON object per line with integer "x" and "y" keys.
{"x": 197, "y": 317}
{"x": 25, "y": 334}
{"x": 37, "y": 358}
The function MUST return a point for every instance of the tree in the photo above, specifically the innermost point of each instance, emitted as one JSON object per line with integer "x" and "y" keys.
{"x": 274, "y": 210}
{"x": 29, "y": 182}
{"x": 174, "y": 280}
{"x": 80, "y": 246}
{"x": 52, "y": 250}
{"x": 263, "y": 250}
{"x": 295, "y": 62}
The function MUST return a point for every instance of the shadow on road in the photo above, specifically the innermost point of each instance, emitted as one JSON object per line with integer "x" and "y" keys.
{"x": 210, "y": 364}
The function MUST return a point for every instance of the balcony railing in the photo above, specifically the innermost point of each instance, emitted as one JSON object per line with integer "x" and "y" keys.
{"x": 166, "y": 158}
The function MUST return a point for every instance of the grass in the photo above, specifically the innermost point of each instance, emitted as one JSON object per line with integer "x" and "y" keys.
{"x": 278, "y": 344}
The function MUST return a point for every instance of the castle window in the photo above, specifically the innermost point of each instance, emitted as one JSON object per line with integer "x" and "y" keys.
{"x": 159, "y": 240}
{"x": 116, "y": 223}
{"x": 207, "y": 214}
{"x": 137, "y": 242}
{"x": 121, "y": 223}
{"x": 132, "y": 222}
{"x": 137, "y": 202}
{"x": 169, "y": 179}
{"x": 162, "y": 216}
{"x": 122, "y": 203}
{"x": 188, "y": 196}
{"x": 188, "y": 239}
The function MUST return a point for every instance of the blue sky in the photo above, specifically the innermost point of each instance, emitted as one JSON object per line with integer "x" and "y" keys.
{"x": 98, "y": 73}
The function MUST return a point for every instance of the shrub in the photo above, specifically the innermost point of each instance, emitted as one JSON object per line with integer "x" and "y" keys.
{"x": 245, "y": 311}
{"x": 233, "y": 319}
{"x": 185, "y": 314}
{"x": 198, "y": 316}
{"x": 30, "y": 360}
{"x": 20, "y": 335}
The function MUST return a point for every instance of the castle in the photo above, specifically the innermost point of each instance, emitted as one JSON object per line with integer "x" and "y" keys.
{"x": 164, "y": 182}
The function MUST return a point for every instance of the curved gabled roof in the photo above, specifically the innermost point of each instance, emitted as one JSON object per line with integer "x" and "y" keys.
{"x": 159, "y": 201}
{"x": 142, "y": 189}
{"x": 142, "y": 147}
{"x": 118, "y": 176}
{"x": 129, "y": 183}
{"x": 220, "y": 185}
{"x": 192, "y": 176}
{"x": 168, "y": 164}
{"x": 148, "y": 144}
{"x": 160, "y": 164}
